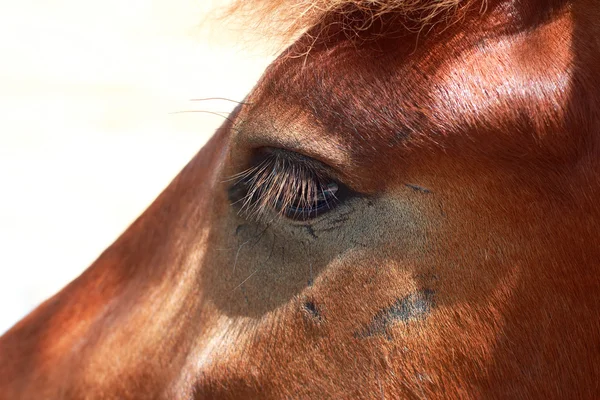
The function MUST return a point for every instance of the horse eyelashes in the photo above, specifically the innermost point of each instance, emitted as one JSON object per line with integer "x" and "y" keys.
{"x": 292, "y": 187}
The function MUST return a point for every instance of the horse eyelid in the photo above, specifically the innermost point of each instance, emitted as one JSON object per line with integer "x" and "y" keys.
{"x": 292, "y": 185}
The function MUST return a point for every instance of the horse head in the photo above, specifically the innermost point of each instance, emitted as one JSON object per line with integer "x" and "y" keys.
{"x": 406, "y": 205}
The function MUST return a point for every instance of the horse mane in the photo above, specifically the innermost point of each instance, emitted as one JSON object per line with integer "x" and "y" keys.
{"x": 289, "y": 18}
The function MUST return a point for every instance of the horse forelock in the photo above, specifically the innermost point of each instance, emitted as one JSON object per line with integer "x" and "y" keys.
{"x": 289, "y": 18}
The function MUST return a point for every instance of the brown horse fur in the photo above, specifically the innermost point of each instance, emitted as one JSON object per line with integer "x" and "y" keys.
{"x": 458, "y": 256}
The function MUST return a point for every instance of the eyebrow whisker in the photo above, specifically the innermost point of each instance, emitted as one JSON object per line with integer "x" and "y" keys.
{"x": 221, "y": 98}
{"x": 205, "y": 112}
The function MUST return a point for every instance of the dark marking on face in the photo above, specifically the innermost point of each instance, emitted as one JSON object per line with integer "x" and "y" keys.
{"x": 330, "y": 229}
{"x": 417, "y": 188}
{"x": 238, "y": 229}
{"x": 311, "y": 231}
{"x": 340, "y": 220}
{"x": 415, "y": 306}
{"x": 311, "y": 308}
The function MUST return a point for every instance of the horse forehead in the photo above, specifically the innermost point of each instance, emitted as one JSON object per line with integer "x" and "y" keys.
{"x": 373, "y": 97}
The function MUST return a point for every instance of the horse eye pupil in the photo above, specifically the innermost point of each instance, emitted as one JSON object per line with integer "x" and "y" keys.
{"x": 328, "y": 192}
{"x": 324, "y": 200}
{"x": 290, "y": 186}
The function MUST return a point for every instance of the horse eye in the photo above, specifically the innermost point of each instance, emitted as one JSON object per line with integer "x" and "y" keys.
{"x": 301, "y": 207}
{"x": 292, "y": 186}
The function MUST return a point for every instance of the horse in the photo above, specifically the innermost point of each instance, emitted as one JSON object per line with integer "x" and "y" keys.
{"x": 405, "y": 206}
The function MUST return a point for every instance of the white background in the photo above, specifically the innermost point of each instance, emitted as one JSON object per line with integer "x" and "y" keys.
{"x": 88, "y": 130}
